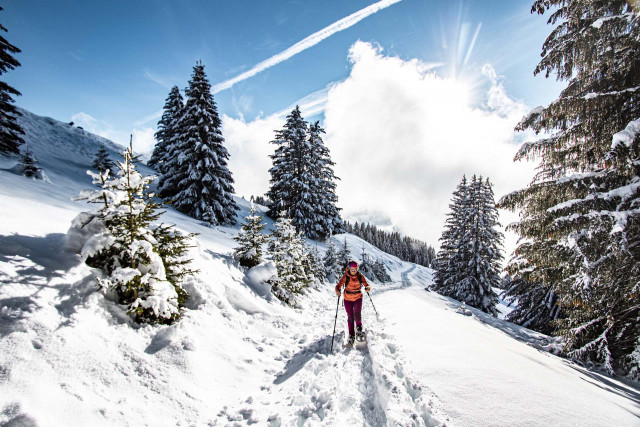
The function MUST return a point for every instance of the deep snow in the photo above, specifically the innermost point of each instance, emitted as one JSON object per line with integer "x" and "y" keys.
{"x": 69, "y": 356}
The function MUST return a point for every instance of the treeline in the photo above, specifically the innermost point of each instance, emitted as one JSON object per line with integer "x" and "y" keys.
{"x": 404, "y": 247}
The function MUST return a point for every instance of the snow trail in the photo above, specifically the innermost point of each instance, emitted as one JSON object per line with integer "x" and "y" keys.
{"x": 372, "y": 386}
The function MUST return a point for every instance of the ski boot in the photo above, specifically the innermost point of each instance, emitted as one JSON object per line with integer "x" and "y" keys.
{"x": 350, "y": 341}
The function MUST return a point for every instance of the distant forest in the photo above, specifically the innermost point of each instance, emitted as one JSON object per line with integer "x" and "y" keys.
{"x": 404, "y": 247}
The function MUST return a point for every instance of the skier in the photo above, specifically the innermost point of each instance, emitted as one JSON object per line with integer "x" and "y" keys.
{"x": 352, "y": 281}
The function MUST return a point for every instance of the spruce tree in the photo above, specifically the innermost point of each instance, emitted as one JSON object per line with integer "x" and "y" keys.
{"x": 250, "y": 239}
{"x": 343, "y": 256}
{"x": 302, "y": 179}
{"x": 469, "y": 260}
{"x": 330, "y": 259}
{"x": 29, "y": 163}
{"x": 166, "y": 134}
{"x": 536, "y": 306}
{"x": 326, "y": 215}
{"x": 580, "y": 222}
{"x": 380, "y": 271}
{"x": 144, "y": 265}
{"x": 10, "y": 130}
{"x": 101, "y": 160}
{"x": 290, "y": 255}
{"x": 203, "y": 182}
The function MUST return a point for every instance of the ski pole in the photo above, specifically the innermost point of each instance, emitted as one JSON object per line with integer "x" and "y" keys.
{"x": 334, "y": 323}
{"x": 374, "y": 307}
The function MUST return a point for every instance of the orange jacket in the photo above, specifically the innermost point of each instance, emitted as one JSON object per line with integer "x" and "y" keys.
{"x": 353, "y": 290}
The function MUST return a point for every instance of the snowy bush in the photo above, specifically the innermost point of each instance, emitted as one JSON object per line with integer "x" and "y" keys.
{"x": 142, "y": 264}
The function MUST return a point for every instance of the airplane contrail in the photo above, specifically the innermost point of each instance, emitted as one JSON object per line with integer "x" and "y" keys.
{"x": 306, "y": 43}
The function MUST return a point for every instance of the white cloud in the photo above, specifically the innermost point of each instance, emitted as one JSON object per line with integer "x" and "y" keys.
{"x": 249, "y": 150}
{"x": 306, "y": 43}
{"x": 143, "y": 140}
{"x": 402, "y": 138}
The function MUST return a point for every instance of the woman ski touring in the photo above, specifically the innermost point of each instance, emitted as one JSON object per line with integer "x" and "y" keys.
{"x": 352, "y": 281}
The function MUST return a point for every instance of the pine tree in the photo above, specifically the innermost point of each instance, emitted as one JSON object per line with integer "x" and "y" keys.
{"x": 452, "y": 256}
{"x": 344, "y": 257}
{"x": 250, "y": 239}
{"x": 326, "y": 215}
{"x": 580, "y": 223}
{"x": 101, "y": 160}
{"x": 162, "y": 158}
{"x": 302, "y": 179}
{"x": 291, "y": 258}
{"x": 316, "y": 266}
{"x": 144, "y": 264}
{"x": 30, "y": 166}
{"x": 380, "y": 271}
{"x": 332, "y": 270}
{"x": 469, "y": 259}
{"x": 10, "y": 130}
{"x": 203, "y": 182}
{"x": 537, "y": 306}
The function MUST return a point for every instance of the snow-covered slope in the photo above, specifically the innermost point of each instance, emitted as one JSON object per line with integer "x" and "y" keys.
{"x": 69, "y": 356}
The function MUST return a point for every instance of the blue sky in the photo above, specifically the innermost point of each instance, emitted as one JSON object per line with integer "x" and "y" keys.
{"x": 457, "y": 74}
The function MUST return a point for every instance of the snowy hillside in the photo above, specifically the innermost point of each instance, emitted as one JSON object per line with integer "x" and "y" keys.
{"x": 69, "y": 356}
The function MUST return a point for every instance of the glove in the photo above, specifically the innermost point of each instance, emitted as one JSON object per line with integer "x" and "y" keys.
{"x": 367, "y": 288}
{"x": 337, "y": 293}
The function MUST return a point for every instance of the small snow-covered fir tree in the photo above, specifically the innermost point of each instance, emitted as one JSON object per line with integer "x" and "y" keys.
{"x": 29, "y": 163}
{"x": 250, "y": 240}
{"x": 10, "y": 130}
{"x": 162, "y": 158}
{"x": 366, "y": 265}
{"x": 380, "y": 271}
{"x": 470, "y": 255}
{"x": 201, "y": 181}
{"x": 290, "y": 255}
{"x": 317, "y": 267}
{"x": 143, "y": 265}
{"x": 343, "y": 256}
{"x": 101, "y": 160}
{"x": 579, "y": 216}
{"x": 331, "y": 267}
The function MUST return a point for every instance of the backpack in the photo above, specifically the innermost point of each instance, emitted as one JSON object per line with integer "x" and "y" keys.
{"x": 346, "y": 283}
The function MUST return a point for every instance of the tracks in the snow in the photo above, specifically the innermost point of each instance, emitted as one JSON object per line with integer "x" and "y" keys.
{"x": 369, "y": 387}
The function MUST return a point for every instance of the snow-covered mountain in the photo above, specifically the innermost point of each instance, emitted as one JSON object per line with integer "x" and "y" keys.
{"x": 70, "y": 356}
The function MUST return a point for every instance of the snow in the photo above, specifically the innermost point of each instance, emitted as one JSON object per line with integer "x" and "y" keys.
{"x": 69, "y": 355}
{"x": 627, "y": 135}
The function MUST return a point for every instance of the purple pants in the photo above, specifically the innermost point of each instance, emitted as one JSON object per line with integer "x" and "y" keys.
{"x": 353, "y": 313}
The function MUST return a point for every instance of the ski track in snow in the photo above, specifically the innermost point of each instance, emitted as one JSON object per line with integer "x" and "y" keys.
{"x": 371, "y": 386}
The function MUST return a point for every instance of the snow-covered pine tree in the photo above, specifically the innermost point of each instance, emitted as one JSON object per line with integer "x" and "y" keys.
{"x": 472, "y": 248}
{"x": 536, "y": 306}
{"x": 380, "y": 271}
{"x": 326, "y": 215}
{"x": 144, "y": 265}
{"x": 332, "y": 270}
{"x": 289, "y": 191}
{"x": 167, "y": 130}
{"x": 366, "y": 265}
{"x": 251, "y": 240}
{"x": 10, "y": 130}
{"x": 290, "y": 255}
{"x": 453, "y": 256}
{"x": 343, "y": 256}
{"x": 101, "y": 160}
{"x": 203, "y": 182}
{"x": 29, "y": 164}
{"x": 579, "y": 217}
{"x": 316, "y": 267}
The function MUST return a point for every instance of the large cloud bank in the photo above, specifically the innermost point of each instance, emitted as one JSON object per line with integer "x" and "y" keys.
{"x": 401, "y": 137}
